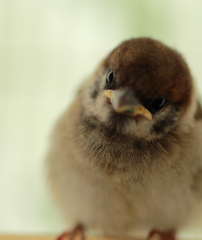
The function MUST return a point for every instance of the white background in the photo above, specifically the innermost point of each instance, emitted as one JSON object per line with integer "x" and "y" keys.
{"x": 46, "y": 49}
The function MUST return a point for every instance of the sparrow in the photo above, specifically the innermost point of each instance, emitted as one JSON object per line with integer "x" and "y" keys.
{"x": 125, "y": 159}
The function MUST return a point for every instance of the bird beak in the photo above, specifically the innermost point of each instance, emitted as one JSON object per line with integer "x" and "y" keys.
{"x": 123, "y": 101}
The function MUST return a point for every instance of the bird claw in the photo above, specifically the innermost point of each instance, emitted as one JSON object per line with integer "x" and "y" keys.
{"x": 157, "y": 235}
{"x": 76, "y": 234}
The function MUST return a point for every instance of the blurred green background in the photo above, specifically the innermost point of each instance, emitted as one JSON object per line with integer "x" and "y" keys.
{"x": 47, "y": 48}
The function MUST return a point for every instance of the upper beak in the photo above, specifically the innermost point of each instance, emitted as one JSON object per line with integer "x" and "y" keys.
{"x": 123, "y": 101}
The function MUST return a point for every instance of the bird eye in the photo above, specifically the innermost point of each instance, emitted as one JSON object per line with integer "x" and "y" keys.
{"x": 158, "y": 103}
{"x": 110, "y": 77}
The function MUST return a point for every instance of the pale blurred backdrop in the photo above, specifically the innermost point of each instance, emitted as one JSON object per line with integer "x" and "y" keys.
{"x": 47, "y": 48}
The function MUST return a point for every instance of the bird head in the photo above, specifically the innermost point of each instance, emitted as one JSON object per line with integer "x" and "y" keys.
{"x": 142, "y": 89}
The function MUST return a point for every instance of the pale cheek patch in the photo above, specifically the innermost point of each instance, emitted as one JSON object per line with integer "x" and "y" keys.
{"x": 88, "y": 96}
{"x": 103, "y": 110}
{"x": 94, "y": 102}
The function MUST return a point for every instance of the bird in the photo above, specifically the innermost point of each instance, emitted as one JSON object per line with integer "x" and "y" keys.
{"x": 125, "y": 159}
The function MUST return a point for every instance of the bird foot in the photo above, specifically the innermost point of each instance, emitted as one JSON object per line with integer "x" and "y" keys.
{"x": 76, "y": 234}
{"x": 157, "y": 235}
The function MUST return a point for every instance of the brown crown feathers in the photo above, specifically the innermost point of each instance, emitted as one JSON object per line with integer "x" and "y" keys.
{"x": 152, "y": 69}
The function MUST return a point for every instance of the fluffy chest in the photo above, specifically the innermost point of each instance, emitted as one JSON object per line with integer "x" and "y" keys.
{"x": 115, "y": 208}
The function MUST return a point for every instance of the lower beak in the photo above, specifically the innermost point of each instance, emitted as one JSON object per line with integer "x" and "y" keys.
{"x": 123, "y": 101}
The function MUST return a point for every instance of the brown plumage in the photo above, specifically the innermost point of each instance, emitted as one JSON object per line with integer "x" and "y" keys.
{"x": 126, "y": 158}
